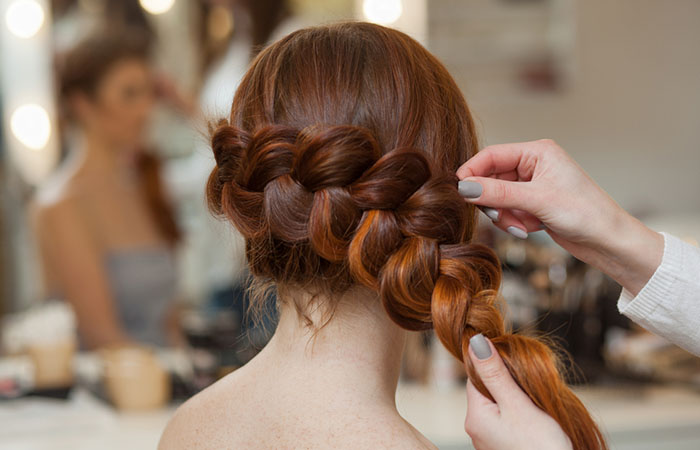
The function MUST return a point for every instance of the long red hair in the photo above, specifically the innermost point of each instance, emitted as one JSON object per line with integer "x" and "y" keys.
{"x": 338, "y": 165}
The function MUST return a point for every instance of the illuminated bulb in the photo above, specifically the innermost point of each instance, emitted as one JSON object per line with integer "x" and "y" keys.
{"x": 24, "y": 18}
{"x": 219, "y": 23}
{"x": 384, "y": 12}
{"x": 31, "y": 126}
{"x": 157, "y": 6}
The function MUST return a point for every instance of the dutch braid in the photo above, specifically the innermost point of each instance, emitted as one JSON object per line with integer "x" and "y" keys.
{"x": 325, "y": 203}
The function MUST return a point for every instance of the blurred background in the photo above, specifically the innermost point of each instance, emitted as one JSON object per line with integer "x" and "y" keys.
{"x": 120, "y": 296}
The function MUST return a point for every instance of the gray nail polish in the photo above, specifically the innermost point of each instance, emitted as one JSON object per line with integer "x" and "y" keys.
{"x": 517, "y": 232}
{"x": 491, "y": 213}
{"x": 479, "y": 346}
{"x": 469, "y": 189}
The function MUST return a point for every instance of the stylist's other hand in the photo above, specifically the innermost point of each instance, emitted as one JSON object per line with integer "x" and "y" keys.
{"x": 513, "y": 421}
{"x": 530, "y": 186}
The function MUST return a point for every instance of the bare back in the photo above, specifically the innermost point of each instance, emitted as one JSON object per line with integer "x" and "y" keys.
{"x": 249, "y": 409}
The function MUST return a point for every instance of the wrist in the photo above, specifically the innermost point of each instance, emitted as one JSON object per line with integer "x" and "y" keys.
{"x": 629, "y": 252}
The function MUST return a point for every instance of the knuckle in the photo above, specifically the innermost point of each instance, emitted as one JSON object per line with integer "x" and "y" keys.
{"x": 549, "y": 145}
{"x": 471, "y": 426}
{"x": 465, "y": 171}
{"x": 501, "y": 192}
{"x": 491, "y": 372}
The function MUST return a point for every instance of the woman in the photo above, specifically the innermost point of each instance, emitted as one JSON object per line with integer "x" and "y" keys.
{"x": 338, "y": 165}
{"x": 105, "y": 230}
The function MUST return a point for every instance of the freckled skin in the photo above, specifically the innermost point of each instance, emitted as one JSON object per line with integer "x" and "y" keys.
{"x": 248, "y": 409}
{"x": 338, "y": 395}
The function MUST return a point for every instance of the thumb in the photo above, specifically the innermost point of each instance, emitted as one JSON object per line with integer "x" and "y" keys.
{"x": 497, "y": 193}
{"x": 482, "y": 414}
{"x": 493, "y": 372}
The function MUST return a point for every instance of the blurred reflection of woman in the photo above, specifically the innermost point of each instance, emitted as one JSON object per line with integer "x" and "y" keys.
{"x": 106, "y": 232}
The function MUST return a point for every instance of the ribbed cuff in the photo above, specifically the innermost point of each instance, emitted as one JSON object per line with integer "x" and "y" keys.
{"x": 660, "y": 285}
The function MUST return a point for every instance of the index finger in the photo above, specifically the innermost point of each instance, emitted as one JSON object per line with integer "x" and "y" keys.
{"x": 497, "y": 159}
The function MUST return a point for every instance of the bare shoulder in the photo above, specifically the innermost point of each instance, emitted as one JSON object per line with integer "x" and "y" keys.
{"x": 53, "y": 213}
{"x": 204, "y": 421}
{"x": 243, "y": 411}
{"x": 62, "y": 186}
{"x": 182, "y": 429}
{"x": 57, "y": 199}
{"x": 187, "y": 428}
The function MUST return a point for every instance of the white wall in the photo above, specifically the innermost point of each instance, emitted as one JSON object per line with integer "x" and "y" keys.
{"x": 631, "y": 115}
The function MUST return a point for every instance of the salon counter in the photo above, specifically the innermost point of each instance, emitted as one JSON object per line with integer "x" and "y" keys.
{"x": 634, "y": 418}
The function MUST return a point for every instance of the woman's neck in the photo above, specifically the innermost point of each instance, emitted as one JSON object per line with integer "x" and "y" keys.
{"x": 100, "y": 157}
{"x": 360, "y": 348}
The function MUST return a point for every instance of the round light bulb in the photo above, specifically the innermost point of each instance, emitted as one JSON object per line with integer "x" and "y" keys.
{"x": 157, "y": 6}
{"x": 31, "y": 126}
{"x": 24, "y": 18}
{"x": 383, "y": 12}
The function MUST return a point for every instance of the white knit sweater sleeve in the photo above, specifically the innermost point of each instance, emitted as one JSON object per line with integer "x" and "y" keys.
{"x": 669, "y": 304}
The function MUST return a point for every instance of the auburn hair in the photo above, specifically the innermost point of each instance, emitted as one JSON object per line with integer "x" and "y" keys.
{"x": 337, "y": 164}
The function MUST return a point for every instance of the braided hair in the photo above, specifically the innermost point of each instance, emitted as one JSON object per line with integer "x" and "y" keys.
{"x": 340, "y": 175}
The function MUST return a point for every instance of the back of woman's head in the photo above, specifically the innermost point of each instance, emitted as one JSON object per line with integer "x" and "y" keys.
{"x": 337, "y": 165}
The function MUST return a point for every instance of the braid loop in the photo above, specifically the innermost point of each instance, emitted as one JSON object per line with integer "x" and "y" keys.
{"x": 334, "y": 156}
{"x": 399, "y": 228}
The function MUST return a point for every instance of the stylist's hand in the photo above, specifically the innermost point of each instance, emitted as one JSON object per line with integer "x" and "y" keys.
{"x": 513, "y": 422}
{"x": 529, "y": 186}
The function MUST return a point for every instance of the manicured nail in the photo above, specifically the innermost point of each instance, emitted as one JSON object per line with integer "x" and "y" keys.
{"x": 543, "y": 226}
{"x": 491, "y": 213}
{"x": 479, "y": 346}
{"x": 469, "y": 189}
{"x": 517, "y": 232}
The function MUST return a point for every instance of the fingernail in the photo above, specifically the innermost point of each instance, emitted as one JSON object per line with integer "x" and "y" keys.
{"x": 491, "y": 213}
{"x": 517, "y": 232}
{"x": 543, "y": 226}
{"x": 469, "y": 189}
{"x": 479, "y": 346}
